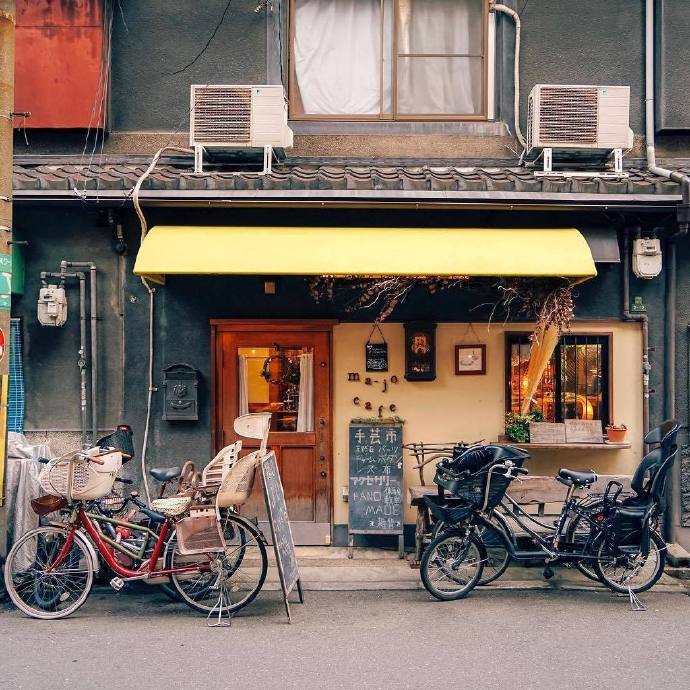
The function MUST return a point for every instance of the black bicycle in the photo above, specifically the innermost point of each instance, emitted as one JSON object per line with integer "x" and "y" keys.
{"x": 616, "y": 536}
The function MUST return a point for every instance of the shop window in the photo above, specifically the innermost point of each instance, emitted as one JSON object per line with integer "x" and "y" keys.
{"x": 388, "y": 59}
{"x": 280, "y": 381}
{"x": 576, "y": 383}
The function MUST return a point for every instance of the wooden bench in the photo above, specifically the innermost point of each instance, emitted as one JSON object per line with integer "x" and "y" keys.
{"x": 530, "y": 490}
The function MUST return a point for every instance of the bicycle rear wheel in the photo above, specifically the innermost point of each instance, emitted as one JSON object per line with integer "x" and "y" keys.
{"x": 38, "y": 590}
{"x": 238, "y": 573}
{"x": 623, "y": 572}
{"x": 452, "y": 565}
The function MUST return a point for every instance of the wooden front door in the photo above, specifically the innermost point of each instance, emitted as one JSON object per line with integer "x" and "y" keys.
{"x": 282, "y": 368}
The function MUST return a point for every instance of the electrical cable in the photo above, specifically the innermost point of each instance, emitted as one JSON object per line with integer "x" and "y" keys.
{"x": 208, "y": 42}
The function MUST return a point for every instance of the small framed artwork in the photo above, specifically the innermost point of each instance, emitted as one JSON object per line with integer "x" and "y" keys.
{"x": 470, "y": 359}
{"x": 420, "y": 351}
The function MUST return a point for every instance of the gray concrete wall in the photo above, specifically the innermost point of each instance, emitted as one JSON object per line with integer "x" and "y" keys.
{"x": 155, "y": 39}
{"x": 50, "y": 354}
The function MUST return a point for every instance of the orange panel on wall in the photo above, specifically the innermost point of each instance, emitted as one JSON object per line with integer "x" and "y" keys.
{"x": 58, "y": 63}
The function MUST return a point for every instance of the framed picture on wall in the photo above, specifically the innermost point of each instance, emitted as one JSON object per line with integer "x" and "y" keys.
{"x": 420, "y": 351}
{"x": 470, "y": 359}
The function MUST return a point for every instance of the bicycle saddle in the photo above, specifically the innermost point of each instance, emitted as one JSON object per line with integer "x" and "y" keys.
{"x": 577, "y": 477}
{"x": 165, "y": 474}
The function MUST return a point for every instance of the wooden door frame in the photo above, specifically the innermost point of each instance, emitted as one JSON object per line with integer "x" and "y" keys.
{"x": 220, "y": 326}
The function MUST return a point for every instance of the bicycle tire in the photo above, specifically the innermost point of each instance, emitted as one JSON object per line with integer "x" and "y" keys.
{"x": 23, "y": 582}
{"x": 204, "y": 597}
{"x": 657, "y": 545}
{"x": 586, "y": 567}
{"x": 452, "y": 545}
{"x": 497, "y": 556}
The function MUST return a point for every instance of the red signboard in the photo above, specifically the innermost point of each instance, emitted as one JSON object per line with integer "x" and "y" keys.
{"x": 59, "y": 54}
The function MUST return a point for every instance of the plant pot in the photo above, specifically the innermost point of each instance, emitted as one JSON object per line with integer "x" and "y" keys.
{"x": 616, "y": 433}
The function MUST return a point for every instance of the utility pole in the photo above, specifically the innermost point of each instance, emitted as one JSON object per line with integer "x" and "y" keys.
{"x": 7, "y": 25}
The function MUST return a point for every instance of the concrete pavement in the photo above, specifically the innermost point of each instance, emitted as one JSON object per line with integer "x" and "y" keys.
{"x": 404, "y": 639}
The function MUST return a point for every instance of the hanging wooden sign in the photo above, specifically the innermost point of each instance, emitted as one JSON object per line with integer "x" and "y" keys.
{"x": 376, "y": 354}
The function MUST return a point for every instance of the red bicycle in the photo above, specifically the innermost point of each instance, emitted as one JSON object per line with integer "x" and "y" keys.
{"x": 50, "y": 570}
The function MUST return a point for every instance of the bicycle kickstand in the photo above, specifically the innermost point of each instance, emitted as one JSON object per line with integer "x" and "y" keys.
{"x": 635, "y": 601}
{"x": 220, "y": 606}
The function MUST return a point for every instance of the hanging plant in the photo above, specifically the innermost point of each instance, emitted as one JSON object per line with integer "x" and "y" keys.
{"x": 383, "y": 293}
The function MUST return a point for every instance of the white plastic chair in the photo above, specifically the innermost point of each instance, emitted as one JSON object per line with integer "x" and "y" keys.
{"x": 214, "y": 472}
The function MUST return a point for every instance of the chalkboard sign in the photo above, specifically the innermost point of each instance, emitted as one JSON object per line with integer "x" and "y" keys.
{"x": 376, "y": 479}
{"x": 377, "y": 356}
{"x": 283, "y": 545}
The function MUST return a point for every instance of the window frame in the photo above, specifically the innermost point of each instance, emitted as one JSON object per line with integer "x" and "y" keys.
{"x": 395, "y": 56}
{"x": 513, "y": 337}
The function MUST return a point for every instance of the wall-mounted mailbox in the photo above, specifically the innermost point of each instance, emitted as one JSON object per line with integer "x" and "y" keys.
{"x": 181, "y": 386}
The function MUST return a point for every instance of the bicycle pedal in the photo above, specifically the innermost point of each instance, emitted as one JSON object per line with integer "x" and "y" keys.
{"x": 117, "y": 583}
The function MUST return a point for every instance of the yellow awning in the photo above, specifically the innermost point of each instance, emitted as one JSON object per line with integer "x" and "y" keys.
{"x": 246, "y": 250}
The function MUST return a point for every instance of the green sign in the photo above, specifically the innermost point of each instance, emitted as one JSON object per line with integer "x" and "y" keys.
{"x": 5, "y": 282}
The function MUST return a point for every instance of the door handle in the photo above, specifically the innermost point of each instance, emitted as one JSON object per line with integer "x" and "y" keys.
{"x": 322, "y": 426}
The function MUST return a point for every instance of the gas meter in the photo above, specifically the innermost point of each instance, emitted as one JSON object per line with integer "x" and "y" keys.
{"x": 646, "y": 260}
{"x": 52, "y": 305}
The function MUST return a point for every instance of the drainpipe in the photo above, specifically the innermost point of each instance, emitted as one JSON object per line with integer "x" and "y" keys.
{"x": 497, "y": 7}
{"x": 683, "y": 218}
{"x": 94, "y": 338}
{"x": 643, "y": 319}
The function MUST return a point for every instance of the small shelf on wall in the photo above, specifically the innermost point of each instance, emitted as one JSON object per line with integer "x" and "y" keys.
{"x": 571, "y": 446}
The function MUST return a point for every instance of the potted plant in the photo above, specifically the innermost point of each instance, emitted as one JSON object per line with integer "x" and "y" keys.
{"x": 517, "y": 425}
{"x": 616, "y": 432}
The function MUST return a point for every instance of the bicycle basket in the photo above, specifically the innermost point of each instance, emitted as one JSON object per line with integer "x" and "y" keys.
{"x": 75, "y": 478}
{"x": 113, "y": 502}
{"x": 199, "y": 532}
{"x": 451, "y": 511}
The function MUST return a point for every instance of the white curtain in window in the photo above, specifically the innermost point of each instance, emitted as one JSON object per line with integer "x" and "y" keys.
{"x": 243, "y": 385}
{"x": 338, "y": 56}
{"x": 440, "y": 85}
{"x": 305, "y": 408}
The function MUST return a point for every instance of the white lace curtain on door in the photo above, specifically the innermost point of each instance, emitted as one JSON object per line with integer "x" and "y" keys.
{"x": 305, "y": 408}
{"x": 338, "y": 56}
{"x": 243, "y": 385}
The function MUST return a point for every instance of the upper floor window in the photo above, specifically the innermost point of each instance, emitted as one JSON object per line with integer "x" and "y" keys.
{"x": 388, "y": 59}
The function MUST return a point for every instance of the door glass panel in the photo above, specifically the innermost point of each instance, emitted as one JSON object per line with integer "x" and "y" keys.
{"x": 279, "y": 380}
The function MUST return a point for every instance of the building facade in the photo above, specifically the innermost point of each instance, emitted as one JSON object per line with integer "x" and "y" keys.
{"x": 403, "y": 116}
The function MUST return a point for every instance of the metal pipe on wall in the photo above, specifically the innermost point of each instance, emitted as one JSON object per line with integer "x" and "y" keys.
{"x": 94, "y": 337}
{"x": 643, "y": 319}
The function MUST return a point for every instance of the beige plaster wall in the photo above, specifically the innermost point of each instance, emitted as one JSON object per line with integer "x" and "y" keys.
{"x": 471, "y": 407}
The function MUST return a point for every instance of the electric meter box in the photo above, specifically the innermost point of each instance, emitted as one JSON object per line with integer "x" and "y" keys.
{"x": 52, "y": 306}
{"x": 646, "y": 260}
{"x": 181, "y": 386}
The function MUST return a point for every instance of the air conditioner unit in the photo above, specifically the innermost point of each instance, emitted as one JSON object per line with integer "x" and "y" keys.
{"x": 232, "y": 117}
{"x": 567, "y": 117}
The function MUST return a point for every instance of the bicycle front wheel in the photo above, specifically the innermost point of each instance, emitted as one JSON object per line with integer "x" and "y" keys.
{"x": 237, "y": 574}
{"x": 38, "y": 587}
{"x": 452, "y": 565}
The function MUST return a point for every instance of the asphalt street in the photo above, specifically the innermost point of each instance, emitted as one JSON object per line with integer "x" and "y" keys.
{"x": 492, "y": 639}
